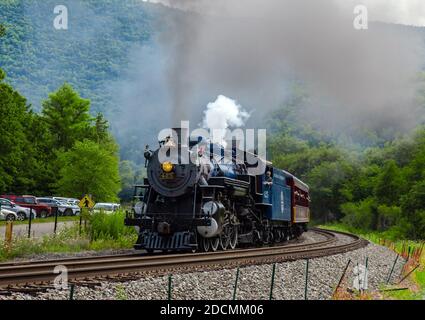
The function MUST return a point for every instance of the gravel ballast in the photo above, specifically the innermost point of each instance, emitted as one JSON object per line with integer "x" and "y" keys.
{"x": 254, "y": 281}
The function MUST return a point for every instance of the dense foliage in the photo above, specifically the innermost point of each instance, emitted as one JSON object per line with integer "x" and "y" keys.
{"x": 377, "y": 187}
{"x": 62, "y": 150}
{"x": 91, "y": 54}
{"x": 89, "y": 168}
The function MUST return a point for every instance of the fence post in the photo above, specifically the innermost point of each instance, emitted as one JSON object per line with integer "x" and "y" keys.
{"x": 56, "y": 219}
{"x": 392, "y": 269}
{"x": 81, "y": 219}
{"x": 365, "y": 274}
{"x": 411, "y": 271}
{"x": 71, "y": 293}
{"x": 342, "y": 277}
{"x": 272, "y": 284}
{"x": 29, "y": 224}
{"x": 306, "y": 280}
{"x": 8, "y": 234}
{"x": 236, "y": 284}
{"x": 170, "y": 284}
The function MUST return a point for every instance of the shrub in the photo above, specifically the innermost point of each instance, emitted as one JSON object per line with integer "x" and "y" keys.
{"x": 104, "y": 231}
{"x": 104, "y": 226}
{"x": 359, "y": 215}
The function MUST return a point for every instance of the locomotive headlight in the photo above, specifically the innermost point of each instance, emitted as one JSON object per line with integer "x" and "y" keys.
{"x": 167, "y": 166}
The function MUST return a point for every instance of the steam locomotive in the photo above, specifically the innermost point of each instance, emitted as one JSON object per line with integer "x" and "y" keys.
{"x": 215, "y": 202}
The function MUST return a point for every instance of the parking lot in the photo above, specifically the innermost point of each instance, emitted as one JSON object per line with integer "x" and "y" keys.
{"x": 37, "y": 229}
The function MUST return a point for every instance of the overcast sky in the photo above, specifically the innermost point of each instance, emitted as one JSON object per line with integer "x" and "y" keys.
{"x": 409, "y": 12}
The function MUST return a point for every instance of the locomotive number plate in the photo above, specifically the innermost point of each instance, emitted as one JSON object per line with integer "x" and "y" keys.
{"x": 167, "y": 176}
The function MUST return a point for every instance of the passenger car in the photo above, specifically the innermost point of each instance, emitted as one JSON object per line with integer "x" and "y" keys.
{"x": 21, "y": 212}
{"x": 26, "y": 201}
{"x": 63, "y": 208}
{"x": 106, "y": 207}
{"x": 8, "y": 215}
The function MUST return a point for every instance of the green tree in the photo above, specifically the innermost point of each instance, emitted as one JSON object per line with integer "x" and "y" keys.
{"x": 13, "y": 141}
{"x": 100, "y": 129}
{"x": 359, "y": 215}
{"x": 389, "y": 184}
{"x": 67, "y": 117}
{"x": 38, "y": 170}
{"x": 325, "y": 182}
{"x": 2, "y": 30}
{"x": 89, "y": 168}
{"x": 128, "y": 176}
{"x": 413, "y": 206}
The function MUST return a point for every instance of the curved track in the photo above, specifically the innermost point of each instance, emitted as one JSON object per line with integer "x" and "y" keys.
{"x": 123, "y": 265}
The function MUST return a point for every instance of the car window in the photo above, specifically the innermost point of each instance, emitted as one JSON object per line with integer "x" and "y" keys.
{"x": 29, "y": 200}
{"x": 104, "y": 206}
{"x": 4, "y": 202}
{"x": 19, "y": 200}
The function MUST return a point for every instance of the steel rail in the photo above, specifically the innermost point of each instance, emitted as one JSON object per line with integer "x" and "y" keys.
{"x": 42, "y": 271}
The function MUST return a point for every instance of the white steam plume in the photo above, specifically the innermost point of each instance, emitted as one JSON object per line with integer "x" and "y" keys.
{"x": 222, "y": 114}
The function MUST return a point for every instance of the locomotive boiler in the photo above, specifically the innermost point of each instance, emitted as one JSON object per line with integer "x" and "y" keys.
{"x": 213, "y": 201}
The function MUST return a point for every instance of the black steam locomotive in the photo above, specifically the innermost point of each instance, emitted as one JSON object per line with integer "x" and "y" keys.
{"x": 214, "y": 202}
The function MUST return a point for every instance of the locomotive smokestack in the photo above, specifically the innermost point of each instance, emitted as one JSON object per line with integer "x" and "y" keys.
{"x": 182, "y": 136}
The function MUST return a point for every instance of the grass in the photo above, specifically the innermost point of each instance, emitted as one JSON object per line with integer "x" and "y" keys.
{"x": 417, "y": 278}
{"x": 104, "y": 231}
{"x": 376, "y": 237}
{"x": 43, "y": 220}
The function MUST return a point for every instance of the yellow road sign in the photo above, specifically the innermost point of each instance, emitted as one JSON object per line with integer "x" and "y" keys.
{"x": 86, "y": 202}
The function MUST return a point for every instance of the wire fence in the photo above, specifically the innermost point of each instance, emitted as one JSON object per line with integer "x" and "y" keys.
{"x": 172, "y": 291}
{"x": 34, "y": 227}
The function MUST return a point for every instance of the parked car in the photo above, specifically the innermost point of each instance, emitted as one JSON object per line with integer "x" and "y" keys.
{"x": 68, "y": 209}
{"x": 21, "y": 212}
{"x": 41, "y": 210}
{"x": 62, "y": 199}
{"x": 74, "y": 201}
{"x": 106, "y": 207}
{"x": 63, "y": 208}
{"x": 7, "y": 215}
{"x": 71, "y": 201}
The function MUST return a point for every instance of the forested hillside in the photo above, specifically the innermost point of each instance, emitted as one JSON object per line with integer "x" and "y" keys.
{"x": 92, "y": 52}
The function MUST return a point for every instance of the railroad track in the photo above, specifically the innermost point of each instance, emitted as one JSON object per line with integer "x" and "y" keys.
{"x": 130, "y": 265}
